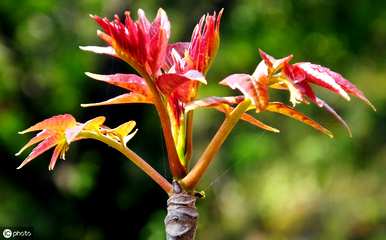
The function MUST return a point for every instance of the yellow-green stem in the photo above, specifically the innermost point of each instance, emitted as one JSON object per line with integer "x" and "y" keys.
{"x": 190, "y": 181}
{"x": 177, "y": 169}
{"x": 137, "y": 160}
{"x": 189, "y": 137}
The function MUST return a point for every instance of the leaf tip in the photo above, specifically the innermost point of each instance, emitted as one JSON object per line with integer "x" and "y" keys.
{"x": 22, "y": 164}
{"x": 84, "y": 105}
{"x": 328, "y": 133}
{"x": 371, "y": 105}
{"x": 88, "y": 74}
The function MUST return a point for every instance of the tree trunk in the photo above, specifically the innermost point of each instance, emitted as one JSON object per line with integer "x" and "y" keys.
{"x": 182, "y": 216}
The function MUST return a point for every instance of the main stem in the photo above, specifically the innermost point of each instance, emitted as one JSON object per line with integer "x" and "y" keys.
{"x": 181, "y": 219}
{"x": 176, "y": 168}
{"x": 194, "y": 176}
{"x": 137, "y": 160}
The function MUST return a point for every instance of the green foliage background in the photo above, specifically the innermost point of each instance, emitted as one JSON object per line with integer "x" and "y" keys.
{"x": 294, "y": 185}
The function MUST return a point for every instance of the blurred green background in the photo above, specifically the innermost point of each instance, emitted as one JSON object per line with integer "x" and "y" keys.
{"x": 297, "y": 184}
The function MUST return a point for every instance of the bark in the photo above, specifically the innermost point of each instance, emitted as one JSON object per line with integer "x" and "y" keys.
{"x": 182, "y": 215}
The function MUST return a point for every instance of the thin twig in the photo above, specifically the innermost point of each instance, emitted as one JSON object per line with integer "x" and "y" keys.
{"x": 131, "y": 155}
{"x": 190, "y": 181}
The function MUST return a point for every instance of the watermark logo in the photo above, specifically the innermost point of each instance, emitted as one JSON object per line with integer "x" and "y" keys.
{"x": 7, "y": 233}
{"x": 17, "y": 233}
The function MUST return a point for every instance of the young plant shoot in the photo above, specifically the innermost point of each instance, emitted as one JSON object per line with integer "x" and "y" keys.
{"x": 168, "y": 78}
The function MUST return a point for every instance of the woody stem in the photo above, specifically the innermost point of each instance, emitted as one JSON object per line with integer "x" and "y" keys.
{"x": 190, "y": 181}
{"x": 137, "y": 160}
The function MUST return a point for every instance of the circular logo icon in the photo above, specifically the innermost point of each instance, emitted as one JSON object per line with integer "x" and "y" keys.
{"x": 7, "y": 233}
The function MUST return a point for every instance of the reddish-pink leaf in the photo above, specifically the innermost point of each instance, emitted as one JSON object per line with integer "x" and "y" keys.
{"x": 205, "y": 41}
{"x": 272, "y": 63}
{"x": 329, "y": 109}
{"x": 349, "y": 87}
{"x": 244, "y": 84}
{"x": 142, "y": 43}
{"x": 321, "y": 76}
{"x": 281, "y": 108}
{"x": 251, "y": 88}
{"x": 131, "y": 82}
{"x": 72, "y": 133}
{"x": 261, "y": 76}
{"x": 56, "y": 123}
{"x": 58, "y": 149}
{"x": 41, "y": 148}
{"x": 38, "y": 138}
{"x": 180, "y": 48}
{"x": 181, "y": 85}
{"x": 212, "y": 102}
{"x": 248, "y": 118}
{"x": 100, "y": 50}
{"x": 222, "y": 104}
{"x": 294, "y": 74}
{"x": 122, "y": 99}
{"x": 60, "y": 131}
{"x": 306, "y": 90}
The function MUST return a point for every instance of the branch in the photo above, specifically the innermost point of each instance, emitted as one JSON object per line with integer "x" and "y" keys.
{"x": 190, "y": 181}
{"x": 137, "y": 160}
{"x": 177, "y": 169}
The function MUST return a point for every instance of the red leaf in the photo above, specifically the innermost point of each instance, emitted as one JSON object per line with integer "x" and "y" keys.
{"x": 212, "y": 102}
{"x": 180, "y": 48}
{"x": 329, "y": 109}
{"x": 181, "y": 85}
{"x": 142, "y": 44}
{"x": 100, "y": 50}
{"x": 250, "y": 88}
{"x": 244, "y": 84}
{"x": 72, "y": 133}
{"x": 306, "y": 90}
{"x": 292, "y": 113}
{"x": 222, "y": 104}
{"x": 131, "y": 82}
{"x": 349, "y": 87}
{"x": 61, "y": 130}
{"x": 56, "y": 123}
{"x": 334, "y": 81}
{"x": 296, "y": 75}
{"x": 248, "y": 118}
{"x": 122, "y": 99}
{"x": 38, "y": 138}
{"x": 58, "y": 149}
{"x": 272, "y": 63}
{"x": 205, "y": 41}
{"x": 321, "y": 76}
{"x": 41, "y": 148}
